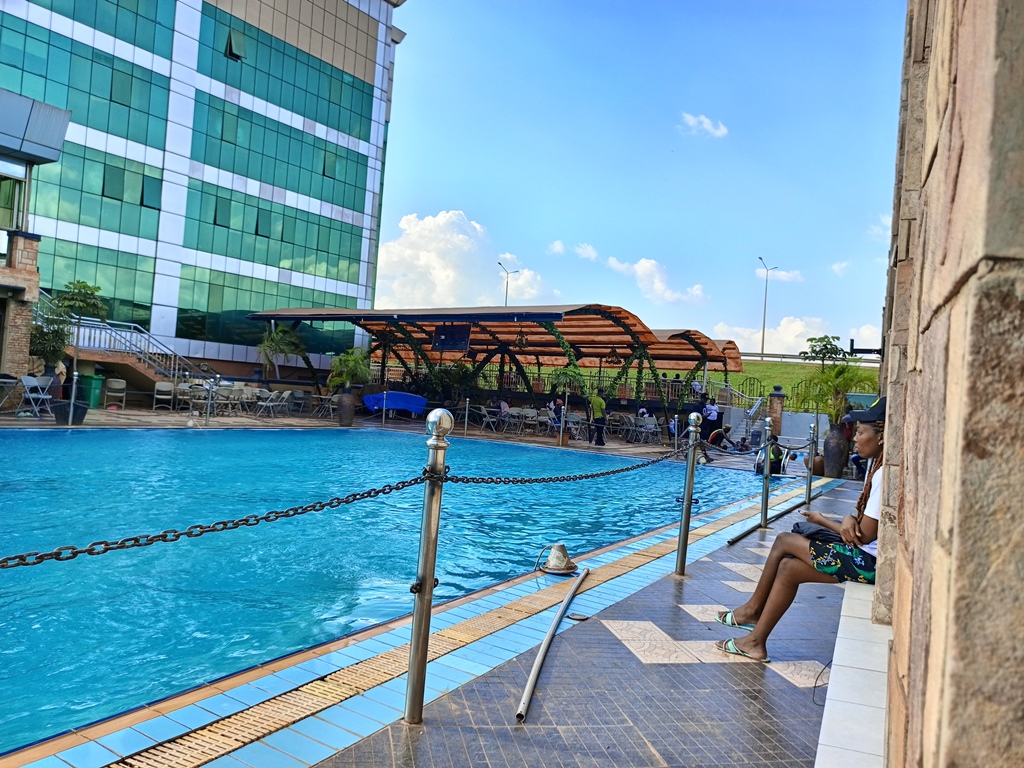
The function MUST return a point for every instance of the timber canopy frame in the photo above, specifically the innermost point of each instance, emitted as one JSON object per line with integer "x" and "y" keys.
{"x": 584, "y": 335}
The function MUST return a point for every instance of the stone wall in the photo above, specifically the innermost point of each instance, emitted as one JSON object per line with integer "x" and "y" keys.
{"x": 952, "y": 529}
{"x": 20, "y": 271}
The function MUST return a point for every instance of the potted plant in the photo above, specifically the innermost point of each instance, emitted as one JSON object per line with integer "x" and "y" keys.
{"x": 831, "y": 383}
{"x": 348, "y": 368}
{"x": 284, "y": 342}
{"x": 79, "y": 300}
{"x": 563, "y": 380}
{"x": 49, "y": 339}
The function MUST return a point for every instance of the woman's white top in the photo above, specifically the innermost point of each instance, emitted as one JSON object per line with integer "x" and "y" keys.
{"x": 873, "y": 508}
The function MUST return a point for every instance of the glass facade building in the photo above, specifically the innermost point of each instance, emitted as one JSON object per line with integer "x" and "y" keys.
{"x": 223, "y": 157}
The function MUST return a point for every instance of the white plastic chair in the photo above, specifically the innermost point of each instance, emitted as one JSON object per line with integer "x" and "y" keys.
{"x": 163, "y": 395}
{"x": 116, "y": 390}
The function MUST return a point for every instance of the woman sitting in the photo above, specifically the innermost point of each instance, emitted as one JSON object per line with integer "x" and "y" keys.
{"x": 795, "y": 560}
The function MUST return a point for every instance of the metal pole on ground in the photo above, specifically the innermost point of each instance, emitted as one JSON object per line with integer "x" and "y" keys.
{"x": 209, "y": 400}
{"x": 675, "y": 429}
{"x": 384, "y": 410}
{"x": 766, "y": 466}
{"x": 439, "y": 424}
{"x": 465, "y": 422}
{"x": 684, "y": 523}
{"x": 810, "y": 462}
{"x": 74, "y": 394}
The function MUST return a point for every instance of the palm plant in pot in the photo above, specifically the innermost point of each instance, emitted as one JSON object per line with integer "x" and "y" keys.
{"x": 563, "y": 380}
{"x": 348, "y": 368}
{"x": 80, "y": 300}
{"x": 832, "y": 382}
{"x": 283, "y": 342}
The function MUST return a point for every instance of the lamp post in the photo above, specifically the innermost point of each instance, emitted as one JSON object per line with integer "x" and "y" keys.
{"x": 764, "y": 311}
{"x": 507, "y": 276}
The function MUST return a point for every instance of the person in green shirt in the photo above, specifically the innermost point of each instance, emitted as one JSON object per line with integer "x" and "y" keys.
{"x": 597, "y": 407}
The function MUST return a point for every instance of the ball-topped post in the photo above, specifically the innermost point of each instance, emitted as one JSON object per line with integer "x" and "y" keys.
{"x": 693, "y": 438}
{"x": 440, "y": 424}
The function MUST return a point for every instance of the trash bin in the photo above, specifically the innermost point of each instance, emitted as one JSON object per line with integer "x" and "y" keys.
{"x": 92, "y": 387}
{"x": 755, "y": 438}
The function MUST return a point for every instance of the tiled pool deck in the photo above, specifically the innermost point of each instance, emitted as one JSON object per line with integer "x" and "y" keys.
{"x": 637, "y": 684}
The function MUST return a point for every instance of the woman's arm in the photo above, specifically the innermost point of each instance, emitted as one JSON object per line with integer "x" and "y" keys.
{"x": 826, "y": 522}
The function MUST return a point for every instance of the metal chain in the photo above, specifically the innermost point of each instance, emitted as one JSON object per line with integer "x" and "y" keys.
{"x": 559, "y": 478}
{"x": 194, "y": 531}
{"x": 65, "y": 553}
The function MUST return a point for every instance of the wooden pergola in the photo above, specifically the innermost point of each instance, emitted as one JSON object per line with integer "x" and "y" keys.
{"x": 585, "y": 335}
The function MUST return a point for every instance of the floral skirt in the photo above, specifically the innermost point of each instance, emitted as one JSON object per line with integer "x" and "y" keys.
{"x": 843, "y": 561}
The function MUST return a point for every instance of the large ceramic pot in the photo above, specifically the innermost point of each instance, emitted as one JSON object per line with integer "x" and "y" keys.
{"x": 836, "y": 450}
{"x": 346, "y": 408}
{"x": 62, "y": 410}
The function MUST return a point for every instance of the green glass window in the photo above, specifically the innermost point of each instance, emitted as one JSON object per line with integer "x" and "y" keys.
{"x": 222, "y": 216}
{"x": 121, "y": 88}
{"x": 113, "y": 183}
{"x": 236, "y": 45}
{"x": 151, "y": 192}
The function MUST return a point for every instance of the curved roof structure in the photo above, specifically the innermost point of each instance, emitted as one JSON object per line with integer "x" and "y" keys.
{"x": 594, "y": 335}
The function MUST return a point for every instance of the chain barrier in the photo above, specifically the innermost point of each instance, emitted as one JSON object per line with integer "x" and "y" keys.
{"x": 558, "y": 479}
{"x": 65, "y": 553}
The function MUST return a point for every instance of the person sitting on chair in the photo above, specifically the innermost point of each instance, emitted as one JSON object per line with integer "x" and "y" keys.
{"x": 796, "y": 560}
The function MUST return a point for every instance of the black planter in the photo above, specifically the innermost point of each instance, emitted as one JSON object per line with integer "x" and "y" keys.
{"x": 836, "y": 450}
{"x": 61, "y": 409}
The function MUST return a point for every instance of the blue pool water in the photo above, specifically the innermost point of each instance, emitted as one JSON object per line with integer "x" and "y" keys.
{"x": 87, "y": 639}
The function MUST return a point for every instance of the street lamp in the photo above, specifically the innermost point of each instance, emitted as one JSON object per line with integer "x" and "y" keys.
{"x": 764, "y": 311}
{"x": 507, "y": 275}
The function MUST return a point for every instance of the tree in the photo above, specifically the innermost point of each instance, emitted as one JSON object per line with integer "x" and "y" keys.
{"x": 350, "y": 367}
{"x": 50, "y": 337}
{"x": 284, "y": 342}
{"x": 825, "y": 350}
{"x": 81, "y": 300}
{"x": 833, "y": 383}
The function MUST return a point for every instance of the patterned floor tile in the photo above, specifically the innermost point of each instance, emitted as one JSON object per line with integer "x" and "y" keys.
{"x": 803, "y": 674}
{"x": 741, "y": 586}
{"x": 749, "y": 570}
{"x": 761, "y": 551}
{"x": 704, "y": 613}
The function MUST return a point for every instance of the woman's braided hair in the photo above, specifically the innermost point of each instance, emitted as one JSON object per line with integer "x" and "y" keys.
{"x": 876, "y": 464}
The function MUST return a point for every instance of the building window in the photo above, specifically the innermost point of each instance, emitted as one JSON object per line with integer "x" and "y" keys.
{"x": 151, "y": 192}
{"x": 113, "y": 183}
{"x": 330, "y": 165}
{"x": 121, "y": 88}
{"x": 236, "y": 45}
{"x": 222, "y": 214}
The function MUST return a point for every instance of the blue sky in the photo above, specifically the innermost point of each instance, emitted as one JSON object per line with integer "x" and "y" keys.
{"x": 645, "y": 155}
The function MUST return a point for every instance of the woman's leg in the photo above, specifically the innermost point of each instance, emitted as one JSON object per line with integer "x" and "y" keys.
{"x": 790, "y": 574}
{"x": 786, "y": 545}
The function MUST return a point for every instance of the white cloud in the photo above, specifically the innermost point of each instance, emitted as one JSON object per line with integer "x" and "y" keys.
{"x": 788, "y": 338}
{"x": 447, "y": 261}
{"x": 792, "y": 276}
{"x": 866, "y": 337}
{"x": 840, "y": 267}
{"x": 586, "y": 251}
{"x": 652, "y": 281}
{"x": 881, "y": 231}
{"x": 557, "y": 248}
{"x": 701, "y": 124}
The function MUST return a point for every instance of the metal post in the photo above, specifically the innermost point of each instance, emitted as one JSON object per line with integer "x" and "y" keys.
{"x": 675, "y": 429}
{"x": 684, "y": 522}
{"x": 561, "y": 418}
{"x": 439, "y": 424}
{"x": 209, "y": 400}
{"x": 810, "y": 461}
{"x": 766, "y": 467}
{"x": 74, "y": 393}
{"x": 384, "y": 411}
{"x": 465, "y": 423}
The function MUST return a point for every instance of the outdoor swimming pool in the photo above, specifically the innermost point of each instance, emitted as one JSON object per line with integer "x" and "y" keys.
{"x": 86, "y": 639}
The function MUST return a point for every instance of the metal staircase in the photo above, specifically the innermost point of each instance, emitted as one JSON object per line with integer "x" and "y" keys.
{"x": 128, "y": 339}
